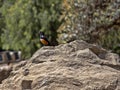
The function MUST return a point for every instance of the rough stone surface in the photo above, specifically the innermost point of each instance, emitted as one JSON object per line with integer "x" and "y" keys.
{"x": 4, "y": 72}
{"x": 73, "y": 66}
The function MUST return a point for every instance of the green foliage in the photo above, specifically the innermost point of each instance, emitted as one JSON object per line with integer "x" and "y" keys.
{"x": 111, "y": 39}
{"x": 1, "y": 23}
{"x": 23, "y": 21}
{"x": 94, "y": 21}
{"x": 1, "y": 26}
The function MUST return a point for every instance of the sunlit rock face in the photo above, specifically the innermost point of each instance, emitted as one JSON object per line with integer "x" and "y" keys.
{"x": 73, "y": 66}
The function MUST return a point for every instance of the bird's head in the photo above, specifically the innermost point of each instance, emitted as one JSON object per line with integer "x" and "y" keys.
{"x": 41, "y": 33}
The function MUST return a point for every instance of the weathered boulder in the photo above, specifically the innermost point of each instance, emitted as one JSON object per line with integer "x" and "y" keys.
{"x": 4, "y": 72}
{"x": 73, "y": 66}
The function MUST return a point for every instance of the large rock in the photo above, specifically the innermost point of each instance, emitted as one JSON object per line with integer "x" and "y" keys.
{"x": 73, "y": 66}
{"x": 4, "y": 72}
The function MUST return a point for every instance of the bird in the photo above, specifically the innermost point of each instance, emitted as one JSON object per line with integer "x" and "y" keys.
{"x": 43, "y": 39}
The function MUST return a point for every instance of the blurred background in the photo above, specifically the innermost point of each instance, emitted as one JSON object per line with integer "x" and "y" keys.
{"x": 95, "y": 21}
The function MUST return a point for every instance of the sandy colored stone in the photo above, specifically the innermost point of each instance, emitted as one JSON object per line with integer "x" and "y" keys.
{"x": 72, "y": 66}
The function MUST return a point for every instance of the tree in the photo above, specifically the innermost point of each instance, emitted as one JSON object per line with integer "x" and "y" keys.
{"x": 1, "y": 24}
{"x": 24, "y": 19}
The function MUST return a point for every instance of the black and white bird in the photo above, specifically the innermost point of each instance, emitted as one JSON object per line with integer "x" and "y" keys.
{"x": 43, "y": 39}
